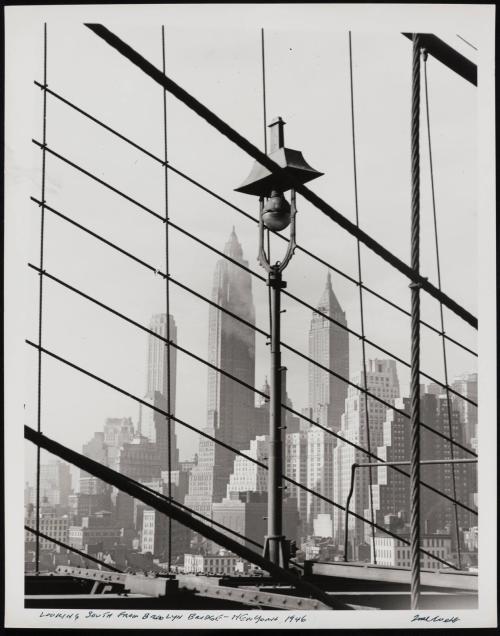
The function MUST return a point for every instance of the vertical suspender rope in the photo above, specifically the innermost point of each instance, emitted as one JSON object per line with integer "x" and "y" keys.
{"x": 167, "y": 307}
{"x": 443, "y": 337}
{"x": 415, "y": 330}
{"x": 264, "y": 114}
{"x": 264, "y": 105}
{"x": 363, "y": 344}
{"x": 40, "y": 299}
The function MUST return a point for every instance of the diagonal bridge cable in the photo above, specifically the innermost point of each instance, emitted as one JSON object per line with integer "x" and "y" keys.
{"x": 225, "y": 201}
{"x": 234, "y": 261}
{"x": 295, "y": 351}
{"x": 220, "y": 443}
{"x": 241, "y": 382}
{"x": 222, "y": 127}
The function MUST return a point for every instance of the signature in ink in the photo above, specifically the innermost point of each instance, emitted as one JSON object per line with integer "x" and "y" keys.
{"x": 435, "y": 619}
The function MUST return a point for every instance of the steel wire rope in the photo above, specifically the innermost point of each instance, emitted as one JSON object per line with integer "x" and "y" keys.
{"x": 415, "y": 507}
{"x": 220, "y": 443}
{"x": 300, "y": 248}
{"x": 235, "y": 262}
{"x": 443, "y": 341}
{"x": 232, "y": 377}
{"x": 264, "y": 121}
{"x": 466, "y": 42}
{"x": 232, "y": 135}
{"x": 361, "y": 308}
{"x": 40, "y": 297}
{"x": 349, "y": 382}
{"x": 167, "y": 303}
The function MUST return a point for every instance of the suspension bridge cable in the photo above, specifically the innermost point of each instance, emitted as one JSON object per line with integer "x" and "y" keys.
{"x": 30, "y": 434}
{"x": 251, "y": 218}
{"x": 466, "y": 42}
{"x": 235, "y": 262}
{"x": 229, "y": 258}
{"x": 41, "y": 535}
{"x": 264, "y": 121}
{"x": 40, "y": 298}
{"x": 415, "y": 330}
{"x": 167, "y": 303}
{"x": 335, "y": 374}
{"x": 245, "y": 145}
{"x": 232, "y": 377}
{"x": 443, "y": 341}
{"x": 361, "y": 307}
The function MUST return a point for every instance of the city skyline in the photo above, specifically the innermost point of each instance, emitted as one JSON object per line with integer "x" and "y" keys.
{"x": 321, "y": 331}
{"x": 137, "y": 232}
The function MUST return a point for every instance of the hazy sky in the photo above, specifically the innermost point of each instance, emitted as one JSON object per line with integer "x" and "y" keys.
{"x": 308, "y": 85}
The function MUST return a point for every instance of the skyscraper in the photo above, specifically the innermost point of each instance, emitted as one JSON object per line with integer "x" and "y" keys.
{"x": 231, "y": 346}
{"x": 154, "y": 425}
{"x": 391, "y": 493}
{"x": 328, "y": 345}
{"x": 382, "y": 381}
{"x": 157, "y": 370}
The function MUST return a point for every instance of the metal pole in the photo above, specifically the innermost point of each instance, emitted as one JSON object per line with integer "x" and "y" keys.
{"x": 415, "y": 330}
{"x": 275, "y": 539}
{"x": 347, "y": 506}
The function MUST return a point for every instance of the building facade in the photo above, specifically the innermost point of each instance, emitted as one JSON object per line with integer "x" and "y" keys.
{"x": 393, "y": 552}
{"x": 52, "y": 525}
{"x": 466, "y": 385}
{"x": 382, "y": 381}
{"x": 329, "y": 346}
{"x": 231, "y": 406}
{"x": 161, "y": 391}
{"x": 391, "y": 492}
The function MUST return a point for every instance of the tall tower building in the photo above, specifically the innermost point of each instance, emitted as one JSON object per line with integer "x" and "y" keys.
{"x": 154, "y": 425}
{"x": 231, "y": 410}
{"x": 382, "y": 381}
{"x": 328, "y": 345}
{"x": 157, "y": 372}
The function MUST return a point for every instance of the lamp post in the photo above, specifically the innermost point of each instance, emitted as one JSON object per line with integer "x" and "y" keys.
{"x": 276, "y": 214}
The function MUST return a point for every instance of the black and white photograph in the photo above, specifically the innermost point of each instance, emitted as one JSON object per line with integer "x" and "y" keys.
{"x": 249, "y": 259}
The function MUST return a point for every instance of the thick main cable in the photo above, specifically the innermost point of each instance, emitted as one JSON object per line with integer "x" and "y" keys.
{"x": 415, "y": 331}
{"x": 300, "y": 248}
{"x": 229, "y": 132}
